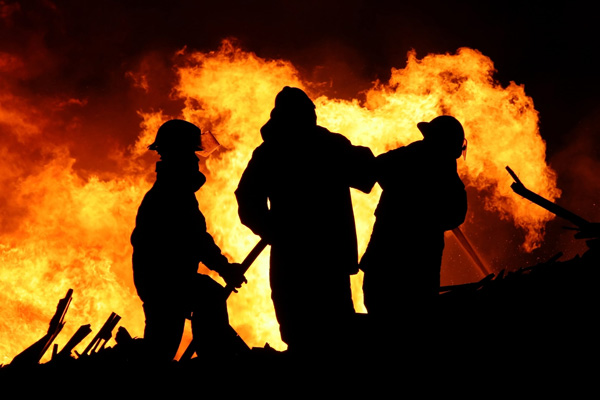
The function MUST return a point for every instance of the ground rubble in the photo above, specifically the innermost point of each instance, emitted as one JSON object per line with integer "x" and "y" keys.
{"x": 543, "y": 316}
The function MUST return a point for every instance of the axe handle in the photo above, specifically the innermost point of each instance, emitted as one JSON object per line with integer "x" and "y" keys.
{"x": 254, "y": 253}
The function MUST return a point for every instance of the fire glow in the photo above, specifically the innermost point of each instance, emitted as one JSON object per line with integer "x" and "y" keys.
{"x": 62, "y": 231}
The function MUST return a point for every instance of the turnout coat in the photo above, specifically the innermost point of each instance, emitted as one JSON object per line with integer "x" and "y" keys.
{"x": 295, "y": 192}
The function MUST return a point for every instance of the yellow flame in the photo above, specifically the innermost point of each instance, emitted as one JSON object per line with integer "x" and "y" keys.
{"x": 75, "y": 232}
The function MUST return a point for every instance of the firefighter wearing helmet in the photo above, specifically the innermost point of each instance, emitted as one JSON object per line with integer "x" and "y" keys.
{"x": 301, "y": 204}
{"x": 169, "y": 241}
{"x": 422, "y": 197}
{"x": 177, "y": 136}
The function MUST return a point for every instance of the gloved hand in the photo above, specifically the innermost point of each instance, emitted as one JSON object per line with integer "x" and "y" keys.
{"x": 233, "y": 275}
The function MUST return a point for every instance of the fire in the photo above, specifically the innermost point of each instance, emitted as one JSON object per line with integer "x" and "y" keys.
{"x": 63, "y": 230}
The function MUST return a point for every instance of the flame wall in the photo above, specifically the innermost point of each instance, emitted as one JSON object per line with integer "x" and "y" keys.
{"x": 64, "y": 226}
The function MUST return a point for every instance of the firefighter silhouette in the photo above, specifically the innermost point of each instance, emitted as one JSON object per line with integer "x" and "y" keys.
{"x": 295, "y": 193}
{"x": 169, "y": 241}
{"x": 422, "y": 197}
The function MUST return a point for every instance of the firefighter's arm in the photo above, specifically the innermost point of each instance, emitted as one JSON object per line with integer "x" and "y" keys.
{"x": 361, "y": 165}
{"x": 252, "y": 198}
{"x": 213, "y": 258}
{"x": 233, "y": 275}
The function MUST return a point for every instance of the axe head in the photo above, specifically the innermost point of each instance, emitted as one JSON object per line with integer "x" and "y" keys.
{"x": 209, "y": 144}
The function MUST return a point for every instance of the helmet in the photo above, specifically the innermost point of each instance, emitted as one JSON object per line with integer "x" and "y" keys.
{"x": 444, "y": 127}
{"x": 177, "y": 135}
{"x": 447, "y": 132}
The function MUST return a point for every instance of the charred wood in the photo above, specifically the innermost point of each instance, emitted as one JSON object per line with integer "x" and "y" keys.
{"x": 33, "y": 354}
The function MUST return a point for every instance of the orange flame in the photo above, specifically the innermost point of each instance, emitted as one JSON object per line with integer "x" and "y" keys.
{"x": 62, "y": 231}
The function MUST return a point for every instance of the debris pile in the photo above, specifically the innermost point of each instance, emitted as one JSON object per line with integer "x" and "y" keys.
{"x": 543, "y": 314}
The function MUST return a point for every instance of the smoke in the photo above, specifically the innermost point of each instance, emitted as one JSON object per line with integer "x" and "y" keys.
{"x": 577, "y": 165}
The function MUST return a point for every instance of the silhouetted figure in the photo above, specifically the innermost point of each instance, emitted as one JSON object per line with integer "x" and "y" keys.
{"x": 422, "y": 197}
{"x": 169, "y": 241}
{"x": 295, "y": 193}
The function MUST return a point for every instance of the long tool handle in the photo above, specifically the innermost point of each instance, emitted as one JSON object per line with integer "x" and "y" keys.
{"x": 254, "y": 253}
{"x": 554, "y": 208}
{"x": 466, "y": 245}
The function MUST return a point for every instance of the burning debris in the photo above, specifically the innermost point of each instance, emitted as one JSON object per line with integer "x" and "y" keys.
{"x": 69, "y": 221}
{"x": 34, "y": 354}
{"x": 545, "y": 306}
{"x": 546, "y": 310}
{"x": 125, "y": 364}
{"x": 96, "y": 348}
{"x": 539, "y": 317}
{"x": 540, "y": 314}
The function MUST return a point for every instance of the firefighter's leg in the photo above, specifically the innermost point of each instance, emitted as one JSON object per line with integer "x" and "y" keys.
{"x": 163, "y": 331}
{"x": 212, "y": 333}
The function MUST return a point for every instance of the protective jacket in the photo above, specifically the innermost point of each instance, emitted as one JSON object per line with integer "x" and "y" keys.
{"x": 295, "y": 192}
{"x": 422, "y": 198}
{"x": 170, "y": 236}
{"x": 297, "y": 195}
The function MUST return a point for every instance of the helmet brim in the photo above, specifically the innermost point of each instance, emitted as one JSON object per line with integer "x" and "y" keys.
{"x": 424, "y": 128}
